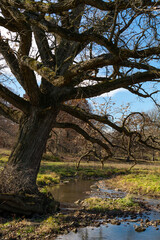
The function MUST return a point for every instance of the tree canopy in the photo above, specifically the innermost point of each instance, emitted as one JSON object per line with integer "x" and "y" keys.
{"x": 80, "y": 49}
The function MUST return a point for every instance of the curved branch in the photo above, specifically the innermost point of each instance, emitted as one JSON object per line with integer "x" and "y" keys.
{"x": 131, "y": 114}
{"x": 85, "y": 116}
{"x": 88, "y": 35}
{"x": 84, "y": 134}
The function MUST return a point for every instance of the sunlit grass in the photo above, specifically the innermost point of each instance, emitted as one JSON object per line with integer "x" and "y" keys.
{"x": 48, "y": 179}
{"x": 141, "y": 183}
{"x": 102, "y": 205}
{"x": 138, "y": 182}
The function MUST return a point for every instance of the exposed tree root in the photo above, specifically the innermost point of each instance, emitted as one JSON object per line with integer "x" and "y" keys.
{"x": 27, "y": 204}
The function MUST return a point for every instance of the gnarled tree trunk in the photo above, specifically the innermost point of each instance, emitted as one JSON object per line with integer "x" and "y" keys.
{"x": 19, "y": 175}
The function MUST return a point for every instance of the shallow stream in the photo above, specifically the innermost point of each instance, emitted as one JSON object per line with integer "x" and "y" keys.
{"x": 80, "y": 189}
{"x": 71, "y": 191}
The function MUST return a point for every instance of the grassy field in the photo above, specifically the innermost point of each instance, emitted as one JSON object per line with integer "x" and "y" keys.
{"x": 143, "y": 179}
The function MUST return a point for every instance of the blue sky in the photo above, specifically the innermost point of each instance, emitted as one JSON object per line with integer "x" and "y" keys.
{"x": 121, "y": 98}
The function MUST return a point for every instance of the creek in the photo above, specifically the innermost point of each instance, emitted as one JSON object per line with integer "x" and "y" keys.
{"x": 72, "y": 191}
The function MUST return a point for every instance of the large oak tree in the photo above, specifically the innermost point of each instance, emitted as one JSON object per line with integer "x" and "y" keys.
{"x": 80, "y": 49}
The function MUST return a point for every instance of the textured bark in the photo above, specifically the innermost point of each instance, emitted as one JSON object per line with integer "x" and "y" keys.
{"x": 20, "y": 173}
{"x": 18, "y": 190}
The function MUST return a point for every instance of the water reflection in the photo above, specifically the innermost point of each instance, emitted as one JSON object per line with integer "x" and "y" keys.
{"x": 112, "y": 232}
{"x": 72, "y": 191}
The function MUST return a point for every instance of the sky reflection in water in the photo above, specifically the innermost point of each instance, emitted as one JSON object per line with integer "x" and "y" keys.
{"x": 112, "y": 232}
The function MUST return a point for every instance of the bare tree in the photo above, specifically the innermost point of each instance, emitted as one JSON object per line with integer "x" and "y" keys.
{"x": 74, "y": 41}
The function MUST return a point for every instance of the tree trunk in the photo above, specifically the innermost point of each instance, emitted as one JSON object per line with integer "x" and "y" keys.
{"x": 102, "y": 164}
{"x": 20, "y": 173}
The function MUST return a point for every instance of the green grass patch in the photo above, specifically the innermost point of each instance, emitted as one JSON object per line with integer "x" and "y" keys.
{"x": 49, "y": 224}
{"x": 102, "y": 205}
{"x": 47, "y": 179}
{"x": 3, "y": 159}
{"x": 142, "y": 183}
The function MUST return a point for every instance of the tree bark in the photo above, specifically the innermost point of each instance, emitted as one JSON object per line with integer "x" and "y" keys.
{"x": 19, "y": 174}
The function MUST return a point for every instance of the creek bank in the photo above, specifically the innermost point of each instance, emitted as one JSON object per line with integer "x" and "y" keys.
{"x": 139, "y": 218}
{"x": 73, "y": 217}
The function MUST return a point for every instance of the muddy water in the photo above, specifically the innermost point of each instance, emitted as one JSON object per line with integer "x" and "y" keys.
{"x": 74, "y": 190}
{"x": 71, "y": 191}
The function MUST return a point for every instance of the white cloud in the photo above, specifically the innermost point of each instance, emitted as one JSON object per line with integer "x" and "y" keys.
{"x": 112, "y": 93}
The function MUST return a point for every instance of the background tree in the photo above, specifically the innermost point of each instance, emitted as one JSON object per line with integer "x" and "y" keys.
{"x": 8, "y": 132}
{"x": 68, "y": 141}
{"x": 69, "y": 43}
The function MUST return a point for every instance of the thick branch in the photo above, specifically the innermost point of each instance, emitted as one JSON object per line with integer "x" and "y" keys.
{"x": 15, "y": 100}
{"x": 52, "y": 27}
{"x": 49, "y": 26}
{"x": 97, "y": 62}
{"x": 11, "y": 60}
{"x": 25, "y": 75}
{"x": 46, "y": 72}
{"x": 139, "y": 53}
{"x": 10, "y": 113}
{"x": 29, "y": 78}
{"x": 105, "y": 87}
{"x": 43, "y": 47}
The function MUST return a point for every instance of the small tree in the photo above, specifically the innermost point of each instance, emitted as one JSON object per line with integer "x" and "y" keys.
{"x": 81, "y": 49}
